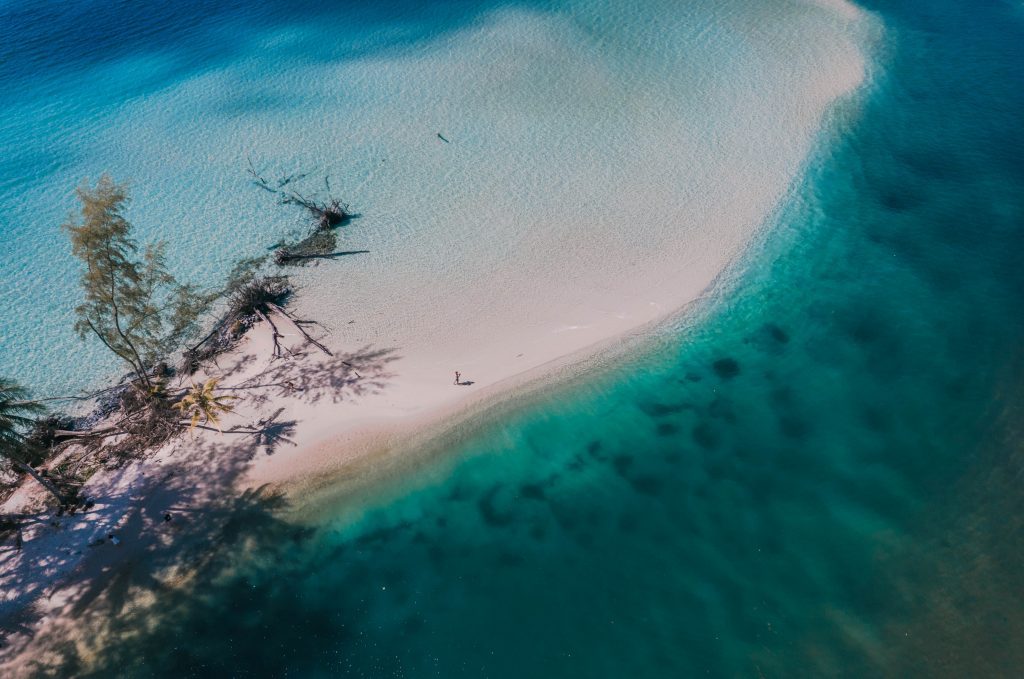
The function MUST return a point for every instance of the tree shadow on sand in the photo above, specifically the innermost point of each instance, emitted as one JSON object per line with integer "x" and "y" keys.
{"x": 272, "y": 432}
{"x": 338, "y": 378}
{"x": 184, "y": 525}
{"x": 70, "y": 589}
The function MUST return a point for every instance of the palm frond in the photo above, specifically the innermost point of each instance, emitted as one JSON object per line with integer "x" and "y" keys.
{"x": 16, "y": 412}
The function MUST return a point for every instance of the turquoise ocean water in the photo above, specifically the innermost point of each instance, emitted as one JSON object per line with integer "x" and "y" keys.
{"x": 819, "y": 476}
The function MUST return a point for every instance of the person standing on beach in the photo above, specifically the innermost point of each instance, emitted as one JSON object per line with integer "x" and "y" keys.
{"x": 458, "y": 377}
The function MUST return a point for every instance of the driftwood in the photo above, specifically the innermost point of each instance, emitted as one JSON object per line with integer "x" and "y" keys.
{"x": 274, "y": 333}
{"x": 298, "y": 326}
{"x": 42, "y": 480}
{"x": 287, "y": 255}
{"x": 247, "y": 297}
{"x": 328, "y": 213}
{"x": 61, "y": 435}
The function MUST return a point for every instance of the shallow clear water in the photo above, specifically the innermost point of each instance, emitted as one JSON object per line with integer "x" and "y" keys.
{"x": 820, "y": 476}
{"x": 579, "y": 128}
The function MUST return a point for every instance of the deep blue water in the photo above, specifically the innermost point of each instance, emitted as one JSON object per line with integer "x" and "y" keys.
{"x": 818, "y": 477}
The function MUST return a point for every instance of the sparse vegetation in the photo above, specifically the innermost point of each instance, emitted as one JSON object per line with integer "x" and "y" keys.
{"x": 16, "y": 417}
{"x": 133, "y": 304}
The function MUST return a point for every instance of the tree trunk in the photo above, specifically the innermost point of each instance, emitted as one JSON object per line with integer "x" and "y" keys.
{"x": 283, "y": 256}
{"x": 273, "y": 333}
{"x": 68, "y": 434}
{"x": 216, "y": 328}
{"x": 43, "y": 481}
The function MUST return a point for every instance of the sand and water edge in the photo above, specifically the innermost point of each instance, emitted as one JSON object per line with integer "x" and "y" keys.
{"x": 397, "y": 408}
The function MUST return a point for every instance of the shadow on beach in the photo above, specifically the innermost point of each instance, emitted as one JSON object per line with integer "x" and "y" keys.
{"x": 115, "y": 587}
{"x": 338, "y": 378}
{"x": 179, "y": 523}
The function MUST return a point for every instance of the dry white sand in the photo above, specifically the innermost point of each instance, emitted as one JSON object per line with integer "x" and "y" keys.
{"x": 495, "y": 292}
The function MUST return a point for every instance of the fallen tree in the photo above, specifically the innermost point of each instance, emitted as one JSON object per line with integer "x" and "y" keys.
{"x": 327, "y": 213}
{"x": 141, "y": 313}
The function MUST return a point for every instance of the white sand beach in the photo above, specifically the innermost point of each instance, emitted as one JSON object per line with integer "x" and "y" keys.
{"x": 508, "y": 273}
{"x": 497, "y": 290}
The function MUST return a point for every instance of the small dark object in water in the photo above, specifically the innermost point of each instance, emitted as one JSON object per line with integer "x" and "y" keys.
{"x": 167, "y": 517}
{"x": 441, "y": 137}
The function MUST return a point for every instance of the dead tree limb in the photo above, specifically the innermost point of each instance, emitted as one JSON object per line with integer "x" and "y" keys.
{"x": 327, "y": 213}
{"x": 286, "y": 256}
{"x": 96, "y": 433}
{"x": 273, "y": 333}
{"x": 42, "y": 480}
{"x": 298, "y": 327}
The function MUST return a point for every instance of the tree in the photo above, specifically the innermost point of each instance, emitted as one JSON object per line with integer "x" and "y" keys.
{"x": 132, "y": 304}
{"x": 203, "y": 403}
{"x": 15, "y": 415}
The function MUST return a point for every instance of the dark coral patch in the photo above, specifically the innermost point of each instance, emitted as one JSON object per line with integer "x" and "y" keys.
{"x": 726, "y": 368}
{"x": 663, "y": 409}
{"x": 577, "y": 463}
{"x": 776, "y": 333}
{"x": 667, "y": 429}
{"x": 647, "y": 485}
{"x": 705, "y": 437}
{"x": 792, "y": 427}
{"x": 622, "y": 464}
{"x": 489, "y": 510}
{"x": 899, "y": 200}
{"x": 531, "y": 491}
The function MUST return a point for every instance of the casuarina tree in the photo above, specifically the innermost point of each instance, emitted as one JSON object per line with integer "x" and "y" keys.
{"x": 133, "y": 304}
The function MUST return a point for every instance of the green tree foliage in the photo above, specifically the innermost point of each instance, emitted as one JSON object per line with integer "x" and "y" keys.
{"x": 133, "y": 304}
{"x": 16, "y": 415}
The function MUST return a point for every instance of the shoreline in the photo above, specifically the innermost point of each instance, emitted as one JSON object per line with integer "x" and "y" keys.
{"x": 399, "y": 409}
{"x": 390, "y": 440}
{"x": 541, "y": 352}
